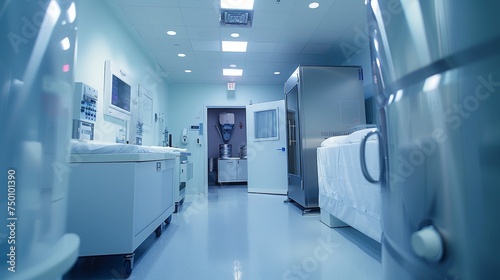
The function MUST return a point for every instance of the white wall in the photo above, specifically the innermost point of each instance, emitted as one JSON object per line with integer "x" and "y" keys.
{"x": 187, "y": 105}
{"x": 101, "y": 36}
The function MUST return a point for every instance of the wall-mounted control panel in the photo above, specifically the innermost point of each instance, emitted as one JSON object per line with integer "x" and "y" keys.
{"x": 85, "y": 108}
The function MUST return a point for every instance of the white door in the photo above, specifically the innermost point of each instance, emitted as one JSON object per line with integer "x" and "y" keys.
{"x": 266, "y": 148}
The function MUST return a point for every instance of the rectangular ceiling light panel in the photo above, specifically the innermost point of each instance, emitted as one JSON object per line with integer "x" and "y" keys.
{"x": 234, "y": 46}
{"x": 237, "y": 4}
{"x": 232, "y": 72}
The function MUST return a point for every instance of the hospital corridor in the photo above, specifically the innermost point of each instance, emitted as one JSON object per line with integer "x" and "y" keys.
{"x": 232, "y": 234}
{"x": 249, "y": 139}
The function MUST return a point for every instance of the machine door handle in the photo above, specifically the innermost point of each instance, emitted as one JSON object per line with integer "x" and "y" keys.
{"x": 362, "y": 145}
{"x": 281, "y": 149}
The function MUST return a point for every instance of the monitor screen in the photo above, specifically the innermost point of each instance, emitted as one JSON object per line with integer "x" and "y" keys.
{"x": 120, "y": 94}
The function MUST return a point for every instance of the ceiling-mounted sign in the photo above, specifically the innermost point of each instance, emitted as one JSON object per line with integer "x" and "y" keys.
{"x": 231, "y": 86}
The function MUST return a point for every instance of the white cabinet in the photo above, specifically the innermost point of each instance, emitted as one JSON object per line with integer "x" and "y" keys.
{"x": 232, "y": 170}
{"x": 115, "y": 205}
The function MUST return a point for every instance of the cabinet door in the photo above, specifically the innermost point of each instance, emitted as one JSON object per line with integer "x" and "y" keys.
{"x": 242, "y": 170}
{"x": 227, "y": 170}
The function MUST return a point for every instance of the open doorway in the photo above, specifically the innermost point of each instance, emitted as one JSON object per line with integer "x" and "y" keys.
{"x": 231, "y": 156}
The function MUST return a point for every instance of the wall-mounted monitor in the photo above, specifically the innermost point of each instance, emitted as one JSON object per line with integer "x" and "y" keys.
{"x": 118, "y": 91}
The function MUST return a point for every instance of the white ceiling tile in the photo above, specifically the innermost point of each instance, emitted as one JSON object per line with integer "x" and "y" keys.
{"x": 295, "y": 36}
{"x": 348, "y": 7}
{"x": 259, "y": 65}
{"x": 283, "y": 6}
{"x": 295, "y": 48}
{"x": 213, "y": 46}
{"x": 324, "y": 37}
{"x": 155, "y": 44}
{"x": 128, "y": 2}
{"x": 260, "y": 47}
{"x": 164, "y": 15}
{"x": 270, "y": 20}
{"x": 303, "y": 21}
{"x": 207, "y": 57}
{"x": 233, "y": 56}
{"x": 146, "y": 31}
{"x": 316, "y": 49}
{"x": 198, "y": 4}
{"x": 161, "y": 55}
{"x": 201, "y": 33}
{"x": 200, "y": 17}
{"x": 336, "y": 23}
{"x": 265, "y": 35}
{"x": 159, "y": 3}
{"x": 135, "y": 14}
{"x": 312, "y": 59}
{"x": 260, "y": 56}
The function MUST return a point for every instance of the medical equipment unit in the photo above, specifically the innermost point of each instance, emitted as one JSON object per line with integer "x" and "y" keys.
{"x": 320, "y": 102}
{"x": 226, "y": 123}
{"x": 118, "y": 195}
{"x": 436, "y": 71}
{"x": 84, "y": 111}
{"x": 36, "y": 78}
{"x": 117, "y": 92}
{"x": 225, "y": 129}
{"x": 184, "y": 173}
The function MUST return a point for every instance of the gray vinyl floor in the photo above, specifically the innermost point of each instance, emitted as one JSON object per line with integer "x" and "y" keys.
{"x": 233, "y": 235}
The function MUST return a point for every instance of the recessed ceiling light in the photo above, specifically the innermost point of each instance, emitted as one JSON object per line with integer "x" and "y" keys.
{"x": 314, "y": 5}
{"x": 171, "y": 32}
{"x": 277, "y": 73}
{"x": 232, "y": 65}
{"x": 232, "y": 72}
{"x": 237, "y": 4}
{"x": 188, "y": 71}
{"x": 235, "y": 35}
{"x": 234, "y": 46}
{"x": 181, "y": 55}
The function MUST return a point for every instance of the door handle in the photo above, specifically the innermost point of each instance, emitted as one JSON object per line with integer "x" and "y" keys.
{"x": 291, "y": 133}
{"x": 281, "y": 149}
{"x": 364, "y": 169}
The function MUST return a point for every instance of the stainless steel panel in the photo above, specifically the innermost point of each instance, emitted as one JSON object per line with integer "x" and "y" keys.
{"x": 436, "y": 70}
{"x": 320, "y": 101}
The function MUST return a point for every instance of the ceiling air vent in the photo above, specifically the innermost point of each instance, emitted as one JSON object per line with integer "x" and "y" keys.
{"x": 242, "y": 18}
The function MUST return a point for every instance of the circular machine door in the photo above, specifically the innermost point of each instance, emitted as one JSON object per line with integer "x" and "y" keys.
{"x": 437, "y": 75}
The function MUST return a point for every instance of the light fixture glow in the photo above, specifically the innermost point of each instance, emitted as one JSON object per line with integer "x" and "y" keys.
{"x": 171, "y": 33}
{"x": 314, "y": 5}
{"x": 71, "y": 13}
{"x": 232, "y": 72}
{"x": 188, "y": 71}
{"x": 432, "y": 82}
{"x": 65, "y": 44}
{"x": 181, "y": 55}
{"x": 237, "y": 4}
{"x": 235, "y": 35}
{"x": 232, "y": 65}
{"x": 277, "y": 73}
{"x": 234, "y": 46}
{"x": 399, "y": 95}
